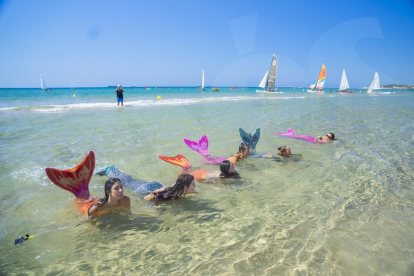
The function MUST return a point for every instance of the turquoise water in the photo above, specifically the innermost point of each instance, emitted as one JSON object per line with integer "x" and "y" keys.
{"x": 345, "y": 208}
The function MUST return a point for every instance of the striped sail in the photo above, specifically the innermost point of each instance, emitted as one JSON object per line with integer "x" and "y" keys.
{"x": 321, "y": 79}
{"x": 271, "y": 81}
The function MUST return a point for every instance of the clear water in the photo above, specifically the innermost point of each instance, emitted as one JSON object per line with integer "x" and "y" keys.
{"x": 345, "y": 208}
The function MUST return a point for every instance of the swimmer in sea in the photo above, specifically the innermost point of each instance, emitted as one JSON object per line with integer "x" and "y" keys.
{"x": 114, "y": 199}
{"x": 325, "y": 139}
{"x": 243, "y": 152}
{"x": 227, "y": 169}
{"x": 184, "y": 185}
{"x": 283, "y": 152}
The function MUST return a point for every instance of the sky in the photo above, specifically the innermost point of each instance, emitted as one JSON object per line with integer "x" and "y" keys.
{"x": 169, "y": 43}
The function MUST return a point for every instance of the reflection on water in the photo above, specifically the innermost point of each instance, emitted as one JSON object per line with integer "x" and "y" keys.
{"x": 344, "y": 208}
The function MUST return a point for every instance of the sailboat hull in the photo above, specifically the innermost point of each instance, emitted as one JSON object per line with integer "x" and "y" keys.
{"x": 315, "y": 91}
{"x": 269, "y": 92}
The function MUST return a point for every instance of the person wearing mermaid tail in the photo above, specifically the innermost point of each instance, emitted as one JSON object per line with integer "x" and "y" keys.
{"x": 136, "y": 185}
{"x": 244, "y": 151}
{"x": 114, "y": 199}
{"x": 284, "y": 152}
{"x": 185, "y": 184}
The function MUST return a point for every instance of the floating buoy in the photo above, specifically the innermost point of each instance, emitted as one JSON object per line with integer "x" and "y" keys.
{"x": 74, "y": 95}
{"x": 159, "y": 97}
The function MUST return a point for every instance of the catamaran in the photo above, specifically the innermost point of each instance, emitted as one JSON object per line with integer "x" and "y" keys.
{"x": 202, "y": 82}
{"x": 43, "y": 84}
{"x": 269, "y": 80}
{"x": 319, "y": 82}
{"x": 344, "y": 85}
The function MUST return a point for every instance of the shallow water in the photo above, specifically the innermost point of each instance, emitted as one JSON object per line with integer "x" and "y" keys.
{"x": 345, "y": 208}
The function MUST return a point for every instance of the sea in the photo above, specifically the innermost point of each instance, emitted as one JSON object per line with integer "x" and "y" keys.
{"x": 343, "y": 208}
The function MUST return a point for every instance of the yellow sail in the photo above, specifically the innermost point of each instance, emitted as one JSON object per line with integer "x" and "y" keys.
{"x": 321, "y": 79}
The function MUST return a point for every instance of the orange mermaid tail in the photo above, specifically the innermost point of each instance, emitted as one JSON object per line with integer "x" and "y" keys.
{"x": 179, "y": 160}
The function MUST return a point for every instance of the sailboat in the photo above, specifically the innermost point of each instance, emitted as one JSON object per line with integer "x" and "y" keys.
{"x": 344, "y": 85}
{"x": 319, "y": 82}
{"x": 269, "y": 79}
{"x": 202, "y": 82}
{"x": 375, "y": 85}
{"x": 43, "y": 84}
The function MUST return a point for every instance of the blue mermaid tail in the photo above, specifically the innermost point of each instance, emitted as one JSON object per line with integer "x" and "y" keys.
{"x": 250, "y": 139}
{"x": 136, "y": 185}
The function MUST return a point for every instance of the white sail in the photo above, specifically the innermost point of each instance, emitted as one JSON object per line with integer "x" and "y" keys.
{"x": 42, "y": 83}
{"x": 202, "y": 81}
{"x": 375, "y": 85}
{"x": 344, "y": 82}
{"x": 313, "y": 85}
{"x": 264, "y": 80}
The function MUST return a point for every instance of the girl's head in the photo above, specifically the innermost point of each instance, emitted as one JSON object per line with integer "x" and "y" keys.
{"x": 227, "y": 167}
{"x": 113, "y": 189}
{"x": 331, "y": 136}
{"x": 284, "y": 151}
{"x": 184, "y": 185}
{"x": 244, "y": 149}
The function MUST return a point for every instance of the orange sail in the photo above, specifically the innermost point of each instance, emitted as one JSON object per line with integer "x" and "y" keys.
{"x": 321, "y": 79}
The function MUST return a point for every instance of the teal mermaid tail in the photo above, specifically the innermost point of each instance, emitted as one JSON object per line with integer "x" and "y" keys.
{"x": 250, "y": 139}
{"x": 136, "y": 185}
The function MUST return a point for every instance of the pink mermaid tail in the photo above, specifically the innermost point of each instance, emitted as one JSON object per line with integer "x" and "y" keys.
{"x": 291, "y": 134}
{"x": 202, "y": 148}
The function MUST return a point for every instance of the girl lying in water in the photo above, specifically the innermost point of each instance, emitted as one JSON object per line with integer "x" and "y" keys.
{"x": 227, "y": 169}
{"x": 244, "y": 151}
{"x": 76, "y": 181}
{"x": 114, "y": 199}
{"x": 184, "y": 185}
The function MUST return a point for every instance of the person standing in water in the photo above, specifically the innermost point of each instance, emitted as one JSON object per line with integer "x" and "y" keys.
{"x": 119, "y": 94}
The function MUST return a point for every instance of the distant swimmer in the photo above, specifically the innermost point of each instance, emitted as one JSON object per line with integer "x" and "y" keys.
{"x": 114, "y": 199}
{"x": 119, "y": 94}
{"x": 184, "y": 185}
{"x": 319, "y": 139}
{"x": 325, "y": 139}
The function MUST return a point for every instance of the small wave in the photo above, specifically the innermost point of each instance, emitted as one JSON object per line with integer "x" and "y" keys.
{"x": 143, "y": 103}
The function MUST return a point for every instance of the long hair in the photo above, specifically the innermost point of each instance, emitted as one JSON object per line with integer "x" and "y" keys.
{"x": 181, "y": 185}
{"x": 108, "y": 186}
{"x": 242, "y": 147}
{"x": 224, "y": 168}
{"x": 333, "y": 135}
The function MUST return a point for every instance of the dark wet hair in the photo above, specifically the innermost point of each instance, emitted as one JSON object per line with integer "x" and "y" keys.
{"x": 243, "y": 147}
{"x": 183, "y": 181}
{"x": 224, "y": 168}
{"x": 283, "y": 150}
{"x": 333, "y": 135}
{"x": 108, "y": 186}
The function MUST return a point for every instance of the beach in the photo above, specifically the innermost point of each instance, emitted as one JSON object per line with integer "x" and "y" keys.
{"x": 344, "y": 208}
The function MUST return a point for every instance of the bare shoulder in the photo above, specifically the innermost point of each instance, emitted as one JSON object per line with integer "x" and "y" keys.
{"x": 126, "y": 201}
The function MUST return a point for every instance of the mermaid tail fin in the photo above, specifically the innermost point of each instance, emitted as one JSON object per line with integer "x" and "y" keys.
{"x": 290, "y": 132}
{"x": 179, "y": 160}
{"x": 75, "y": 180}
{"x": 201, "y": 146}
{"x": 250, "y": 139}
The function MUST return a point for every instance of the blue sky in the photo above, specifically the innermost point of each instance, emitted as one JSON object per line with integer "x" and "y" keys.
{"x": 168, "y": 43}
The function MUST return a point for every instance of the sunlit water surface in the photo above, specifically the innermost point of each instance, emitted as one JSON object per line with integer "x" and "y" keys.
{"x": 345, "y": 208}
